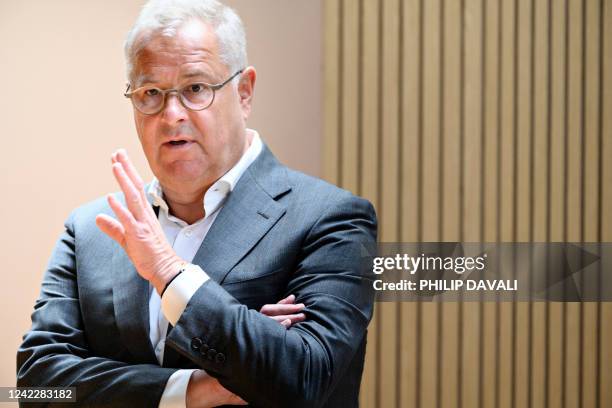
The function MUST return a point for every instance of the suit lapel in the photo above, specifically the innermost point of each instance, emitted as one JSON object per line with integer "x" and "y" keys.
{"x": 248, "y": 214}
{"x": 246, "y": 217}
{"x": 131, "y": 300}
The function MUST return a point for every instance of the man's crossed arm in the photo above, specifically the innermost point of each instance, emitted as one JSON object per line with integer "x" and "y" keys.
{"x": 205, "y": 391}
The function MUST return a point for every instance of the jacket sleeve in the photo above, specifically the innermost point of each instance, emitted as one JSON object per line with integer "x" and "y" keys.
{"x": 258, "y": 359}
{"x": 55, "y": 352}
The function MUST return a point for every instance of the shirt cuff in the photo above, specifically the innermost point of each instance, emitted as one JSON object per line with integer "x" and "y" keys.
{"x": 175, "y": 393}
{"x": 179, "y": 292}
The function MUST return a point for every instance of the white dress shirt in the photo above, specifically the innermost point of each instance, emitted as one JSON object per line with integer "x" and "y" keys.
{"x": 186, "y": 240}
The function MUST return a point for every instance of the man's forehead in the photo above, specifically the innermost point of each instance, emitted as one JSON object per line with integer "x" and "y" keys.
{"x": 155, "y": 74}
{"x": 192, "y": 50}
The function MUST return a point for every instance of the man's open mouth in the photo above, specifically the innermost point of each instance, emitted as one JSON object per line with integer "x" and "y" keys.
{"x": 177, "y": 142}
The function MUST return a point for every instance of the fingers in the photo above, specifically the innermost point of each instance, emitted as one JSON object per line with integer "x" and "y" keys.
{"x": 133, "y": 198}
{"x": 285, "y": 312}
{"x": 135, "y": 192}
{"x": 281, "y": 309}
{"x": 111, "y": 227}
{"x": 293, "y": 318}
{"x": 122, "y": 157}
{"x": 125, "y": 217}
{"x": 288, "y": 299}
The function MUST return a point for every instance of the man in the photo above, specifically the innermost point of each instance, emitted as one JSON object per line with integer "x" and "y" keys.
{"x": 222, "y": 230}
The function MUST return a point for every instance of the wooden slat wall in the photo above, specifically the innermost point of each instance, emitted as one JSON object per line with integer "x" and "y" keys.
{"x": 477, "y": 120}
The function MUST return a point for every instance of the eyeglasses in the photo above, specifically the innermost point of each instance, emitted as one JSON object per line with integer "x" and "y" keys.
{"x": 195, "y": 96}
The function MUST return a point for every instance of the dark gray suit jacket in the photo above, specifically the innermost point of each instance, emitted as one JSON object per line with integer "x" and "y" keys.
{"x": 279, "y": 232}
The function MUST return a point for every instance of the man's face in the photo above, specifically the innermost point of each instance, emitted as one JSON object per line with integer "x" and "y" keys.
{"x": 215, "y": 138}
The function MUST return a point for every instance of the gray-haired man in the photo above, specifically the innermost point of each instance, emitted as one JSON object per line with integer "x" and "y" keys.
{"x": 222, "y": 230}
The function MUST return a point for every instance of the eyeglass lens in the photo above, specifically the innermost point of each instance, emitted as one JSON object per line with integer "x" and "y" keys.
{"x": 195, "y": 96}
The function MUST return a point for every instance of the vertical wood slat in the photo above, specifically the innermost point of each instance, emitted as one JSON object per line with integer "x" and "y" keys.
{"x": 506, "y": 389}
{"x": 501, "y": 103}
{"x": 389, "y": 215}
{"x": 590, "y": 179}
{"x": 605, "y": 314}
{"x": 369, "y": 162}
{"x": 556, "y": 190}
{"x": 574, "y": 196}
{"x": 331, "y": 100}
{"x": 430, "y": 197}
{"x": 492, "y": 81}
{"x": 407, "y": 393}
{"x": 349, "y": 142}
{"x": 409, "y": 207}
{"x": 523, "y": 201}
{"x": 471, "y": 180}
{"x": 450, "y": 218}
{"x": 541, "y": 109}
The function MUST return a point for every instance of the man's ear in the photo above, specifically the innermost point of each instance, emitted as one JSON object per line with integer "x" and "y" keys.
{"x": 246, "y": 87}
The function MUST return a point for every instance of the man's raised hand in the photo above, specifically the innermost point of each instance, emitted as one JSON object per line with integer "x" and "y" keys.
{"x": 136, "y": 228}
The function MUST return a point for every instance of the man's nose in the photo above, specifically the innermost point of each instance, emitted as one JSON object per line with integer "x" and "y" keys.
{"x": 174, "y": 111}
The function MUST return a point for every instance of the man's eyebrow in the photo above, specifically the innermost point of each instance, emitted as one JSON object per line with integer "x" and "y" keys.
{"x": 143, "y": 79}
{"x": 193, "y": 74}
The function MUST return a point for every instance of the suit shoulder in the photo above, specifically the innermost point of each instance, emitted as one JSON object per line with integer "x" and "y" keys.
{"x": 87, "y": 212}
{"x": 322, "y": 192}
{"x": 330, "y": 208}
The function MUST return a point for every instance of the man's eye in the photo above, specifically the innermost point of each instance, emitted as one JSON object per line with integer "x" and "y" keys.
{"x": 195, "y": 88}
{"x": 152, "y": 92}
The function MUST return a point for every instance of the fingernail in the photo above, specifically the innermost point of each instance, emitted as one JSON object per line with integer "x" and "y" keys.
{"x": 301, "y": 305}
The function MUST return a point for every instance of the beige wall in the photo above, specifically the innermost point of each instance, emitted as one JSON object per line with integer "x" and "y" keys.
{"x": 62, "y": 113}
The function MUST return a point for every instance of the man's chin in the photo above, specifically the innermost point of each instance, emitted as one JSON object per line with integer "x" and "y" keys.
{"x": 180, "y": 176}
{"x": 184, "y": 170}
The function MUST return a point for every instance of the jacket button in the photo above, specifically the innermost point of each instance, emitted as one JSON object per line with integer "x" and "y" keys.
{"x": 220, "y": 358}
{"x": 212, "y": 353}
{"x": 196, "y": 343}
{"x": 204, "y": 349}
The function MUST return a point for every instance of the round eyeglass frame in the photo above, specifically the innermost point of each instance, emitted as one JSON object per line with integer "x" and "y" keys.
{"x": 214, "y": 87}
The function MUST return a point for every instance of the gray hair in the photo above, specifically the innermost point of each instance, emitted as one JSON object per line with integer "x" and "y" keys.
{"x": 166, "y": 16}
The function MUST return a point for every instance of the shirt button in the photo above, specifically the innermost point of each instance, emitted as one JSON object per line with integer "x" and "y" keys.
{"x": 220, "y": 358}
{"x": 188, "y": 233}
{"x": 212, "y": 353}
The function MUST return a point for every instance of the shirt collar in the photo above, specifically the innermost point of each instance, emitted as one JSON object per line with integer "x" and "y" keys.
{"x": 218, "y": 192}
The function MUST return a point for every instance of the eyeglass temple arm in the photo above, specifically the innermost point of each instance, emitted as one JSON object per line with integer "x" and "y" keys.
{"x": 127, "y": 92}
{"x": 222, "y": 84}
